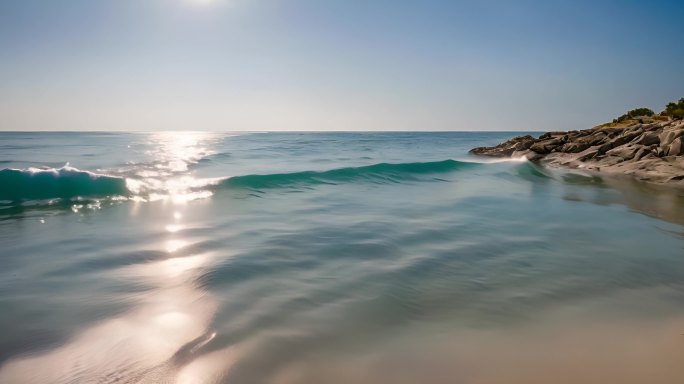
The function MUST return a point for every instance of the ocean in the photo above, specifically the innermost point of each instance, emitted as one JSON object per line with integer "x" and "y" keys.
{"x": 337, "y": 257}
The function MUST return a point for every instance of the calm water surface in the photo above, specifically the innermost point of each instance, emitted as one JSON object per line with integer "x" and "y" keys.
{"x": 329, "y": 258}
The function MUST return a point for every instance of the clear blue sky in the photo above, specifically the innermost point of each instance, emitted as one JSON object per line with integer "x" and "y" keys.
{"x": 335, "y": 64}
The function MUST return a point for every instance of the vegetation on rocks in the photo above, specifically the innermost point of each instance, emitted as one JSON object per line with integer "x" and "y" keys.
{"x": 643, "y": 115}
{"x": 675, "y": 110}
{"x": 635, "y": 113}
{"x": 672, "y": 110}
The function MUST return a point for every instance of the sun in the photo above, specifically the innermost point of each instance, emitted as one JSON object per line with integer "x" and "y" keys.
{"x": 202, "y": 2}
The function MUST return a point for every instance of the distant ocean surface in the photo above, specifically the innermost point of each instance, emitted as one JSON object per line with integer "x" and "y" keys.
{"x": 314, "y": 258}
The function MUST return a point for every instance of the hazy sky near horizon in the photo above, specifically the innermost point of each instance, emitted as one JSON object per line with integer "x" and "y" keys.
{"x": 335, "y": 64}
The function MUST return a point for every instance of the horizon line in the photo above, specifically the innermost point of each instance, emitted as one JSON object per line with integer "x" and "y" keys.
{"x": 266, "y": 131}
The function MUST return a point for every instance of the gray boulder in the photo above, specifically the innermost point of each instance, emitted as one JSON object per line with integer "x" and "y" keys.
{"x": 652, "y": 152}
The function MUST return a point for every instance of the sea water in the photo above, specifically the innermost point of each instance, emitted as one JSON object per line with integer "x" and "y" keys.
{"x": 249, "y": 258}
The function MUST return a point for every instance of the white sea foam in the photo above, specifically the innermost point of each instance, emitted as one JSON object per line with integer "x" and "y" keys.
{"x": 518, "y": 159}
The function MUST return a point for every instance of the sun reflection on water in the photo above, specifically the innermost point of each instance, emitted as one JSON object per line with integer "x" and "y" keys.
{"x": 174, "y": 227}
{"x": 169, "y": 175}
{"x": 174, "y": 245}
{"x": 156, "y": 340}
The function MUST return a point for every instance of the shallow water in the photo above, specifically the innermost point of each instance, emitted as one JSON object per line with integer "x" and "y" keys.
{"x": 329, "y": 258}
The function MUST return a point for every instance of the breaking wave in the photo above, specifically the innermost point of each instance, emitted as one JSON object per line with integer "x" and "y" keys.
{"x": 65, "y": 183}
{"x": 68, "y": 182}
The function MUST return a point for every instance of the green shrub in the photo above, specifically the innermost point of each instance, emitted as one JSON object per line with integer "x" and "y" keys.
{"x": 675, "y": 110}
{"x": 672, "y": 111}
{"x": 634, "y": 113}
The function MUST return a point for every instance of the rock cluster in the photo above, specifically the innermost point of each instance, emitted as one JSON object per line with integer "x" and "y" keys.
{"x": 652, "y": 152}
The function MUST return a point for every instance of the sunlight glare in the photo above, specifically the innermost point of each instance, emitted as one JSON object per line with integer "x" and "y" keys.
{"x": 174, "y": 227}
{"x": 202, "y": 2}
{"x": 174, "y": 245}
{"x": 169, "y": 177}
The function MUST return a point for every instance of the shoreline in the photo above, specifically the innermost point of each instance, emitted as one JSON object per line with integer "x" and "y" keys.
{"x": 651, "y": 152}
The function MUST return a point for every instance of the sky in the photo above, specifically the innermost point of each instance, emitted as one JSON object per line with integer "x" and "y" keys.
{"x": 266, "y": 65}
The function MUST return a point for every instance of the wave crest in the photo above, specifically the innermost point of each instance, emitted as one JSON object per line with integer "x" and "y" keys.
{"x": 65, "y": 183}
{"x": 68, "y": 182}
{"x": 382, "y": 173}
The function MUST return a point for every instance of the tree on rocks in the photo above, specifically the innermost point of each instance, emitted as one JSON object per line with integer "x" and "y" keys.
{"x": 675, "y": 110}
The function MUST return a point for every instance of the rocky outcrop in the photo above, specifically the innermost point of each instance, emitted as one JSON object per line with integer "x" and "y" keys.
{"x": 652, "y": 152}
{"x": 507, "y": 149}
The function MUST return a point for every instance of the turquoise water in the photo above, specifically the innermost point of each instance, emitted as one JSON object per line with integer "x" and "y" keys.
{"x": 328, "y": 258}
